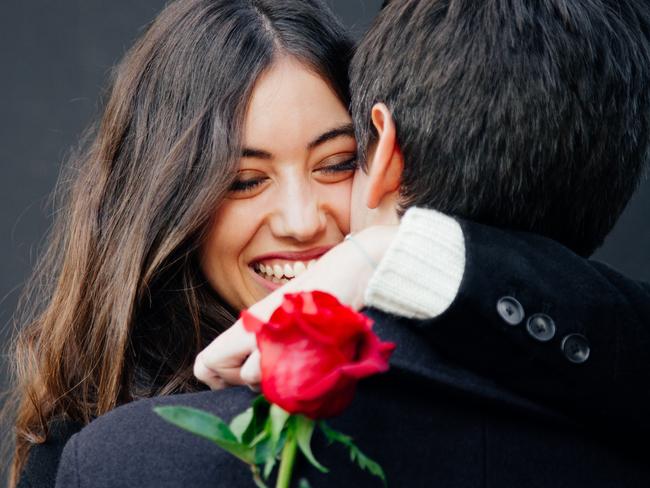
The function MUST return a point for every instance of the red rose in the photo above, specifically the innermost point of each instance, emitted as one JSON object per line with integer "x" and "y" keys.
{"x": 313, "y": 351}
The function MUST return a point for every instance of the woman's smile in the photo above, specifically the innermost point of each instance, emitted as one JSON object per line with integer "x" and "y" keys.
{"x": 275, "y": 269}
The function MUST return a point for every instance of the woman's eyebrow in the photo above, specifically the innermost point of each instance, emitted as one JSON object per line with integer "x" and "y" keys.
{"x": 255, "y": 153}
{"x": 343, "y": 130}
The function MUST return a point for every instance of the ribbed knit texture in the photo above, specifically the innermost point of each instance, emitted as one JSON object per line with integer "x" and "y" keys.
{"x": 420, "y": 274}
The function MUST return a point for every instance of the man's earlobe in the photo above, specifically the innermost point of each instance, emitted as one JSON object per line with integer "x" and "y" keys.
{"x": 387, "y": 163}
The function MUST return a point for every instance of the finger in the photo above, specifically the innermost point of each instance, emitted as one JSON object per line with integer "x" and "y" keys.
{"x": 251, "y": 372}
{"x": 230, "y": 349}
{"x": 218, "y": 365}
{"x": 231, "y": 376}
{"x": 216, "y": 376}
{"x": 208, "y": 377}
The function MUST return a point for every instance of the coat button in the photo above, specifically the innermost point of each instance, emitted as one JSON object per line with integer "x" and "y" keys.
{"x": 541, "y": 327}
{"x": 576, "y": 348}
{"x": 510, "y": 310}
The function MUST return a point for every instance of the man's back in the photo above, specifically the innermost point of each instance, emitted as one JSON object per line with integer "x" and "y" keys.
{"x": 427, "y": 422}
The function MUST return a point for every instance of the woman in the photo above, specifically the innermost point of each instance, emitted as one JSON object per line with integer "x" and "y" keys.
{"x": 190, "y": 127}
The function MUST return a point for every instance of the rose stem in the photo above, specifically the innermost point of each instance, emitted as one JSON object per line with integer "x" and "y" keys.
{"x": 287, "y": 460}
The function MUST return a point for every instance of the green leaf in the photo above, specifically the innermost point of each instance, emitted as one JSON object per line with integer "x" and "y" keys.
{"x": 206, "y": 425}
{"x": 271, "y": 460}
{"x": 259, "y": 482}
{"x": 248, "y": 425}
{"x": 267, "y": 448}
{"x": 334, "y": 435}
{"x": 260, "y": 414}
{"x": 263, "y": 444}
{"x": 269, "y": 464}
{"x": 263, "y": 451}
{"x": 264, "y": 456}
{"x": 198, "y": 422}
{"x": 303, "y": 483}
{"x": 280, "y": 444}
{"x": 363, "y": 461}
{"x": 304, "y": 431}
{"x": 240, "y": 423}
{"x": 278, "y": 418}
{"x": 261, "y": 436}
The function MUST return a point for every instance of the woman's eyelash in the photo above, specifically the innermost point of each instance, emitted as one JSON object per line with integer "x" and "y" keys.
{"x": 349, "y": 165}
{"x": 246, "y": 185}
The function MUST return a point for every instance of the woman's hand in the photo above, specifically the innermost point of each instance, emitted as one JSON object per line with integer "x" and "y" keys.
{"x": 233, "y": 359}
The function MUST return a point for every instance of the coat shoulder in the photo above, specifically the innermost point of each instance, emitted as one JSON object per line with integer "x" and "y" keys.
{"x": 43, "y": 459}
{"x": 133, "y": 446}
{"x": 127, "y": 422}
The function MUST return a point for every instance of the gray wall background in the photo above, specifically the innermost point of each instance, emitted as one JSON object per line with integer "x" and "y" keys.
{"x": 54, "y": 60}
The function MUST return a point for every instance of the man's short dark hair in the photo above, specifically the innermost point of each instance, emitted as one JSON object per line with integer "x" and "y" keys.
{"x": 525, "y": 114}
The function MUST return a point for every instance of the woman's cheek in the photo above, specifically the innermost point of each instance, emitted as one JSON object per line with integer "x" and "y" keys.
{"x": 237, "y": 220}
{"x": 233, "y": 228}
{"x": 338, "y": 198}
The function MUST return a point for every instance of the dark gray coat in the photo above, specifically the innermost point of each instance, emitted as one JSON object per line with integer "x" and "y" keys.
{"x": 427, "y": 422}
{"x": 470, "y": 400}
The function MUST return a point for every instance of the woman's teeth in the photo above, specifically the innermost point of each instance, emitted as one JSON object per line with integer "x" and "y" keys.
{"x": 282, "y": 273}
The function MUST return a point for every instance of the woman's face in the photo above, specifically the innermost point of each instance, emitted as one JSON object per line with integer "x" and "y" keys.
{"x": 291, "y": 200}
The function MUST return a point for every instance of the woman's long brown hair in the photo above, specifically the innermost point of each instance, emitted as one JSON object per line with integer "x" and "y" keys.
{"x": 118, "y": 307}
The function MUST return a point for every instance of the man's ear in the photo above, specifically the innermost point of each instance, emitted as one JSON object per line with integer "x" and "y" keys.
{"x": 387, "y": 163}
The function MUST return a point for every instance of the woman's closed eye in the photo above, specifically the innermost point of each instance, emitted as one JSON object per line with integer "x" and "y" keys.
{"x": 349, "y": 165}
{"x": 246, "y": 184}
{"x": 338, "y": 171}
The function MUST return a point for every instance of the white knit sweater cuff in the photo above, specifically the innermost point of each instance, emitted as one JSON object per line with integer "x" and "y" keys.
{"x": 421, "y": 272}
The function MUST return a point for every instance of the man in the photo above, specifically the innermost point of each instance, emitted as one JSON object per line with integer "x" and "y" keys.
{"x": 517, "y": 114}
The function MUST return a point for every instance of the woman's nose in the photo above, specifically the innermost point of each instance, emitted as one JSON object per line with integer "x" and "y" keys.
{"x": 299, "y": 214}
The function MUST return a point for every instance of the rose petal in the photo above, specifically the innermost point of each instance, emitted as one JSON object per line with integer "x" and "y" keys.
{"x": 251, "y": 323}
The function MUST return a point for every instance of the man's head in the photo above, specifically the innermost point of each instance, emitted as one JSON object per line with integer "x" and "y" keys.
{"x": 530, "y": 115}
